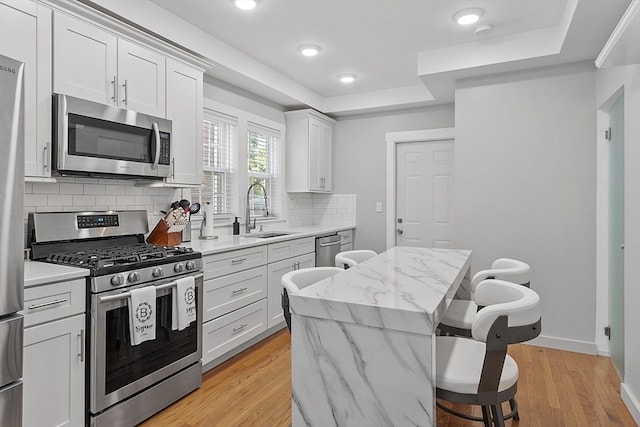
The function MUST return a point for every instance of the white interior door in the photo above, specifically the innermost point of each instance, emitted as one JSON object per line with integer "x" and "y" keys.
{"x": 424, "y": 194}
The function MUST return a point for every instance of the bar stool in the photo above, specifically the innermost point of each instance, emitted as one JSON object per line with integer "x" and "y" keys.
{"x": 295, "y": 280}
{"x": 479, "y": 371}
{"x": 458, "y": 318}
{"x": 348, "y": 259}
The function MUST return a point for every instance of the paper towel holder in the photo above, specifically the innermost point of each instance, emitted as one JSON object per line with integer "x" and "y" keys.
{"x": 203, "y": 225}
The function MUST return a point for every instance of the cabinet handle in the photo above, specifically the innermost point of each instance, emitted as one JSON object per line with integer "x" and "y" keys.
{"x": 45, "y": 304}
{"x": 239, "y": 328}
{"x": 45, "y": 153}
{"x": 125, "y": 100}
{"x": 81, "y": 340}
{"x": 238, "y": 291}
{"x": 238, "y": 261}
{"x": 115, "y": 90}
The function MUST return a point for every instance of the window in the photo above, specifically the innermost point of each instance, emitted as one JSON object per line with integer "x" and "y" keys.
{"x": 218, "y": 155}
{"x": 263, "y": 155}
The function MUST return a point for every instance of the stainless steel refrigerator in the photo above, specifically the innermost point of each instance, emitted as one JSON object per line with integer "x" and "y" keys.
{"x": 11, "y": 239}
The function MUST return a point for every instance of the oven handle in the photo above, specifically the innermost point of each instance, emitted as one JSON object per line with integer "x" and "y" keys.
{"x": 124, "y": 295}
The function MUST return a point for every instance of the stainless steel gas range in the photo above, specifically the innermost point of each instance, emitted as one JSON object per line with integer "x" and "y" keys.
{"x": 126, "y": 383}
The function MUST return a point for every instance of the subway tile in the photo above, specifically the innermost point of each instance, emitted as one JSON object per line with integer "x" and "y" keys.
{"x": 71, "y": 188}
{"x": 87, "y": 180}
{"x": 84, "y": 200}
{"x": 106, "y": 200}
{"x": 35, "y": 200}
{"x": 46, "y": 188}
{"x": 133, "y": 191}
{"x": 94, "y": 189}
{"x": 144, "y": 200}
{"x": 60, "y": 200}
{"x": 126, "y": 200}
{"x": 116, "y": 189}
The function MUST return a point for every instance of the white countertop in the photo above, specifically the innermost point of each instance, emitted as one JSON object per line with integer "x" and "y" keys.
{"x": 404, "y": 288}
{"x": 38, "y": 273}
{"x": 227, "y": 243}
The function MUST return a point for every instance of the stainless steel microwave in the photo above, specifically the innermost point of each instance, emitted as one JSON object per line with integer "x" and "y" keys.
{"x": 94, "y": 139}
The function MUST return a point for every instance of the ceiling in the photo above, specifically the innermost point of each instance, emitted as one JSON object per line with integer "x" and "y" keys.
{"x": 406, "y": 53}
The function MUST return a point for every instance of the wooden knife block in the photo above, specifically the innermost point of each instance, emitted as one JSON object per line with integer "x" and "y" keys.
{"x": 161, "y": 236}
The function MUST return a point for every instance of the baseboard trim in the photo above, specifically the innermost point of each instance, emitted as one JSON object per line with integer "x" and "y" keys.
{"x": 630, "y": 400}
{"x": 565, "y": 344}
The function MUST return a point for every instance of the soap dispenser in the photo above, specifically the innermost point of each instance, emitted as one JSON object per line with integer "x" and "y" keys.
{"x": 236, "y": 227}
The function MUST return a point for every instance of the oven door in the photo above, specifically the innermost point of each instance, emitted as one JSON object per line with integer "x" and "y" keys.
{"x": 118, "y": 369}
{"x": 92, "y": 138}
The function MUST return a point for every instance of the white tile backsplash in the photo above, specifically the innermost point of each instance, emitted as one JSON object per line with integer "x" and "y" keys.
{"x": 91, "y": 194}
{"x": 321, "y": 209}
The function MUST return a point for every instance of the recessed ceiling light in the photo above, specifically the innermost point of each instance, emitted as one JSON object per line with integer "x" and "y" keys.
{"x": 246, "y": 4}
{"x": 347, "y": 77}
{"x": 468, "y": 16}
{"x": 483, "y": 30}
{"x": 309, "y": 49}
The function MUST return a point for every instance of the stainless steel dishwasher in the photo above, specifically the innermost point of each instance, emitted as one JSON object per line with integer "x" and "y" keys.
{"x": 327, "y": 247}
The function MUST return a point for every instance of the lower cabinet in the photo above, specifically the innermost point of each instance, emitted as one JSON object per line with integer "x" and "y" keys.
{"x": 54, "y": 356}
{"x": 224, "y": 333}
{"x": 54, "y": 373}
{"x": 275, "y": 272}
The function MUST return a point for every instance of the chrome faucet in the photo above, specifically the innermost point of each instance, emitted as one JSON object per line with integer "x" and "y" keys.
{"x": 247, "y": 215}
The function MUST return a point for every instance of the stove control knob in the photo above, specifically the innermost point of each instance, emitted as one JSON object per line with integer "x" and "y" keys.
{"x": 178, "y": 267}
{"x": 191, "y": 265}
{"x": 133, "y": 277}
{"x": 117, "y": 280}
{"x": 157, "y": 272}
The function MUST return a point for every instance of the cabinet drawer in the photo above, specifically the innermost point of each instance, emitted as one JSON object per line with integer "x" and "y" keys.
{"x": 229, "y": 331}
{"x": 231, "y": 262}
{"x": 290, "y": 248}
{"x": 346, "y": 236}
{"x": 53, "y": 301}
{"x": 228, "y": 293}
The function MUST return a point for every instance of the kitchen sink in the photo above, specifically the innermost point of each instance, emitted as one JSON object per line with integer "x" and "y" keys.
{"x": 266, "y": 235}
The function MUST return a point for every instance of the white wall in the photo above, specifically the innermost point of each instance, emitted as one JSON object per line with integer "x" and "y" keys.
{"x": 359, "y": 163}
{"x": 526, "y": 188}
{"x": 610, "y": 84}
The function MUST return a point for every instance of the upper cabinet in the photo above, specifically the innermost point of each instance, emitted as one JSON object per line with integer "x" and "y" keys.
{"x": 184, "y": 109}
{"x": 309, "y": 151}
{"x": 112, "y": 71}
{"x": 25, "y": 35}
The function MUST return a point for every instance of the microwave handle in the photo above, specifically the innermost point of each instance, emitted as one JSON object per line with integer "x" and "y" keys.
{"x": 156, "y": 159}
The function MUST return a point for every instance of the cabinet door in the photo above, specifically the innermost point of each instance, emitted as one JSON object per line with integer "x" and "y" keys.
{"x": 275, "y": 272}
{"x": 325, "y": 157}
{"x": 84, "y": 60}
{"x": 141, "y": 79}
{"x": 25, "y": 35}
{"x": 315, "y": 152}
{"x": 54, "y": 373}
{"x": 184, "y": 109}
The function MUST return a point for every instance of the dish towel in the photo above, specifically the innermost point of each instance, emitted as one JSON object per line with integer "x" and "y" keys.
{"x": 183, "y": 303}
{"x": 142, "y": 314}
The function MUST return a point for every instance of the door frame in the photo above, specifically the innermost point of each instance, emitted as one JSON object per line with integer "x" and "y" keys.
{"x": 392, "y": 139}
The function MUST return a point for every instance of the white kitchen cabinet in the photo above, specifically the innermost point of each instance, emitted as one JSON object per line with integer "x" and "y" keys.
{"x": 94, "y": 64}
{"x": 275, "y": 272}
{"x": 184, "y": 109}
{"x": 346, "y": 240}
{"x": 309, "y": 151}
{"x": 25, "y": 35}
{"x": 54, "y": 355}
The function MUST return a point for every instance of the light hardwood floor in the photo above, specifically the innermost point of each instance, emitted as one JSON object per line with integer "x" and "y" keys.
{"x": 555, "y": 389}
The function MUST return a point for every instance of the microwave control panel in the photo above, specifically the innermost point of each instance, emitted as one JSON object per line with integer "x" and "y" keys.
{"x": 165, "y": 149}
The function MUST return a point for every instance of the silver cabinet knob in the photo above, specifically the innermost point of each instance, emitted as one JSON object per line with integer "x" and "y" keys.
{"x": 157, "y": 272}
{"x": 117, "y": 280}
{"x": 134, "y": 277}
{"x": 178, "y": 267}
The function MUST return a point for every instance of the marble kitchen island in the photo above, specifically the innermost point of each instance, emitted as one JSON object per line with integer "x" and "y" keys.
{"x": 362, "y": 341}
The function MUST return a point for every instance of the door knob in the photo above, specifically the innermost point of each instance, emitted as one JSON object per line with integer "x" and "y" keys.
{"x": 399, "y": 231}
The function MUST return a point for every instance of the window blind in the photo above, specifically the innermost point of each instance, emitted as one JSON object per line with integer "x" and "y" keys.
{"x": 219, "y": 135}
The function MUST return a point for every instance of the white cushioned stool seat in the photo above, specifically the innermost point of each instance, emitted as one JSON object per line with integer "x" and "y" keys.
{"x": 460, "y": 314}
{"x": 348, "y": 259}
{"x": 459, "y": 365}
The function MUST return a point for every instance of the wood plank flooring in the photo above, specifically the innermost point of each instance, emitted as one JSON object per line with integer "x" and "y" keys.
{"x": 556, "y": 389}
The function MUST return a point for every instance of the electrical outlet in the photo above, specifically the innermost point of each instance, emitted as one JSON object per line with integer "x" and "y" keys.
{"x": 378, "y": 206}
